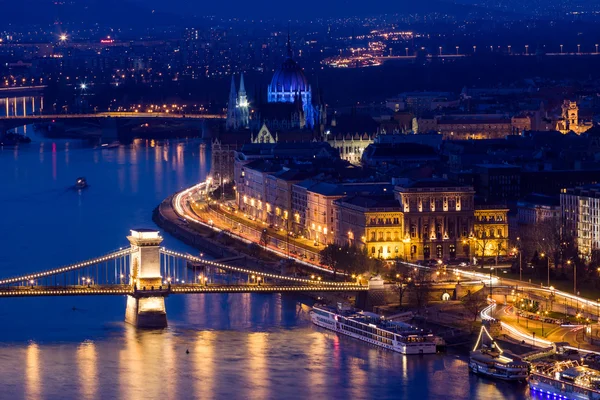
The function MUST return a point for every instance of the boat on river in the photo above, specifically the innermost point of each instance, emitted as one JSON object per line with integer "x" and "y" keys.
{"x": 81, "y": 183}
{"x": 565, "y": 380}
{"x": 375, "y": 329}
{"x": 491, "y": 361}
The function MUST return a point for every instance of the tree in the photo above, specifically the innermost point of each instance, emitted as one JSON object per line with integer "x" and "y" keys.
{"x": 422, "y": 287}
{"x": 474, "y": 303}
{"x": 401, "y": 287}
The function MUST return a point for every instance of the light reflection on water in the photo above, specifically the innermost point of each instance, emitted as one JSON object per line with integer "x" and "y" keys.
{"x": 240, "y": 346}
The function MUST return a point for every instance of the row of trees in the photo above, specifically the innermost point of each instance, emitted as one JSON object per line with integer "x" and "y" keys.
{"x": 349, "y": 260}
{"x": 548, "y": 242}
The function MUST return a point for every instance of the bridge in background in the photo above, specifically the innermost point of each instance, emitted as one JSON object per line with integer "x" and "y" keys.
{"x": 147, "y": 273}
{"x": 113, "y": 125}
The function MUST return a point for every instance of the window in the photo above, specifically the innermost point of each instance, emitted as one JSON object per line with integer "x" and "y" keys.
{"x": 388, "y": 236}
{"x": 426, "y": 252}
{"x": 413, "y": 231}
{"x": 439, "y": 251}
{"x": 373, "y": 250}
{"x": 373, "y": 236}
{"x": 452, "y": 249}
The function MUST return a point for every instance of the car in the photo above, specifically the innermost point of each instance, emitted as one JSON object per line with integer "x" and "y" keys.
{"x": 590, "y": 357}
{"x": 462, "y": 264}
{"x": 570, "y": 352}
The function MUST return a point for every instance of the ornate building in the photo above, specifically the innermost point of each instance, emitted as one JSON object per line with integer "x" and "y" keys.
{"x": 570, "y": 121}
{"x": 438, "y": 217}
{"x": 289, "y": 85}
{"x": 237, "y": 107}
{"x": 423, "y": 220}
{"x": 490, "y": 231}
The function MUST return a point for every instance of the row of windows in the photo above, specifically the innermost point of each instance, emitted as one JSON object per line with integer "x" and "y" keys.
{"x": 386, "y": 221}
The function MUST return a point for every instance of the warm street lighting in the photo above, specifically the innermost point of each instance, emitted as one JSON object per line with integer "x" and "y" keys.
{"x": 548, "y": 262}
{"x": 63, "y": 37}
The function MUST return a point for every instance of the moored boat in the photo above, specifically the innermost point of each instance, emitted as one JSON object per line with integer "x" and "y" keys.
{"x": 490, "y": 360}
{"x": 375, "y": 329}
{"x": 565, "y": 380}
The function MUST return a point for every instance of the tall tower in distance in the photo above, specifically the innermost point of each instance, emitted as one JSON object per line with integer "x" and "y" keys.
{"x": 243, "y": 105}
{"x": 231, "y": 123}
{"x": 238, "y": 107}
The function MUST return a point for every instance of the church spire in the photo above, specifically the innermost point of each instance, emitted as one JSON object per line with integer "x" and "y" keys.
{"x": 232, "y": 120}
{"x": 242, "y": 87}
{"x": 242, "y": 105}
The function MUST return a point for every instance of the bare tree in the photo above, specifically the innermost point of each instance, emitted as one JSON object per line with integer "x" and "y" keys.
{"x": 421, "y": 287}
{"x": 474, "y": 303}
{"x": 401, "y": 287}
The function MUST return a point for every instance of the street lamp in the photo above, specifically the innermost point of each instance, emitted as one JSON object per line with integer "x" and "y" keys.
{"x": 515, "y": 250}
{"x": 491, "y": 269}
{"x": 561, "y": 49}
{"x": 574, "y": 275}
{"x": 527, "y": 49}
{"x": 548, "y": 261}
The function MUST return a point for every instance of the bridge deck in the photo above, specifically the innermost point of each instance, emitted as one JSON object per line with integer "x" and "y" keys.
{"x": 120, "y": 290}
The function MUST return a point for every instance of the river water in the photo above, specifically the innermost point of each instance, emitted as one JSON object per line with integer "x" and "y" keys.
{"x": 241, "y": 346}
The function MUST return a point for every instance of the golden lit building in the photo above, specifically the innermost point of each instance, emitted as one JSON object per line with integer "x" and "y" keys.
{"x": 490, "y": 231}
{"x": 371, "y": 222}
{"x": 424, "y": 220}
{"x": 570, "y": 121}
{"x": 438, "y": 217}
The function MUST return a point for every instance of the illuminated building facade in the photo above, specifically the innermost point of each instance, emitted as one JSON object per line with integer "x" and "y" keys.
{"x": 581, "y": 216}
{"x": 438, "y": 218}
{"x": 371, "y": 222}
{"x": 490, "y": 231}
{"x": 570, "y": 120}
{"x": 237, "y": 107}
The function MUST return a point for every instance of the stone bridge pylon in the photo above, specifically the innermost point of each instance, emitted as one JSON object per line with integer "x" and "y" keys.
{"x": 146, "y": 306}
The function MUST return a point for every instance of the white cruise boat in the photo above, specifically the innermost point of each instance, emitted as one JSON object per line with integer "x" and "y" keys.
{"x": 375, "y": 329}
{"x": 491, "y": 361}
{"x": 565, "y": 380}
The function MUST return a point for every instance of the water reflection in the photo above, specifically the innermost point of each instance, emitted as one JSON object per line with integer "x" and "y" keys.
{"x": 33, "y": 385}
{"x": 240, "y": 346}
{"x": 87, "y": 362}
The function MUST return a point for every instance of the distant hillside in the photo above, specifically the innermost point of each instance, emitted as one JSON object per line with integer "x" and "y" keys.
{"x": 148, "y": 13}
{"x": 121, "y": 13}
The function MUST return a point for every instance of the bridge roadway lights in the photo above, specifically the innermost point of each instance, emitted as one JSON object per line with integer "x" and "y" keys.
{"x": 146, "y": 307}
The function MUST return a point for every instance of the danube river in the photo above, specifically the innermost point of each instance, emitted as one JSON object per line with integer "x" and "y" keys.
{"x": 240, "y": 346}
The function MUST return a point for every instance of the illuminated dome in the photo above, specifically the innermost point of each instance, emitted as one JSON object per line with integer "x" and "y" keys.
{"x": 289, "y": 78}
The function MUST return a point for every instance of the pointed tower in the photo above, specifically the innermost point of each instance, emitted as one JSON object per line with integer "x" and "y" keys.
{"x": 232, "y": 122}
{"x": 242, "y": 105}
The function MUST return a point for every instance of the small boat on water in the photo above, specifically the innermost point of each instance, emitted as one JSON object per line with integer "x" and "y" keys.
{"x": 565, "y": 380}
{"x": 375, "y": 329}
{"x": 81, "y": 183}
{"x": 491, "y": 361}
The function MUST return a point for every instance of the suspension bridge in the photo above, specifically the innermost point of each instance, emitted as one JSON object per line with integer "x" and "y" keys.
{"x": 146, "y": 273}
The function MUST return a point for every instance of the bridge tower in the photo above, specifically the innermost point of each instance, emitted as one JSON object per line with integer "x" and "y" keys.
{"x": 146, "y": 306}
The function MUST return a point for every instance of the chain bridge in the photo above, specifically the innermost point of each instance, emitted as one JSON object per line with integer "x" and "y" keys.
{"x": 146, "y": 273}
